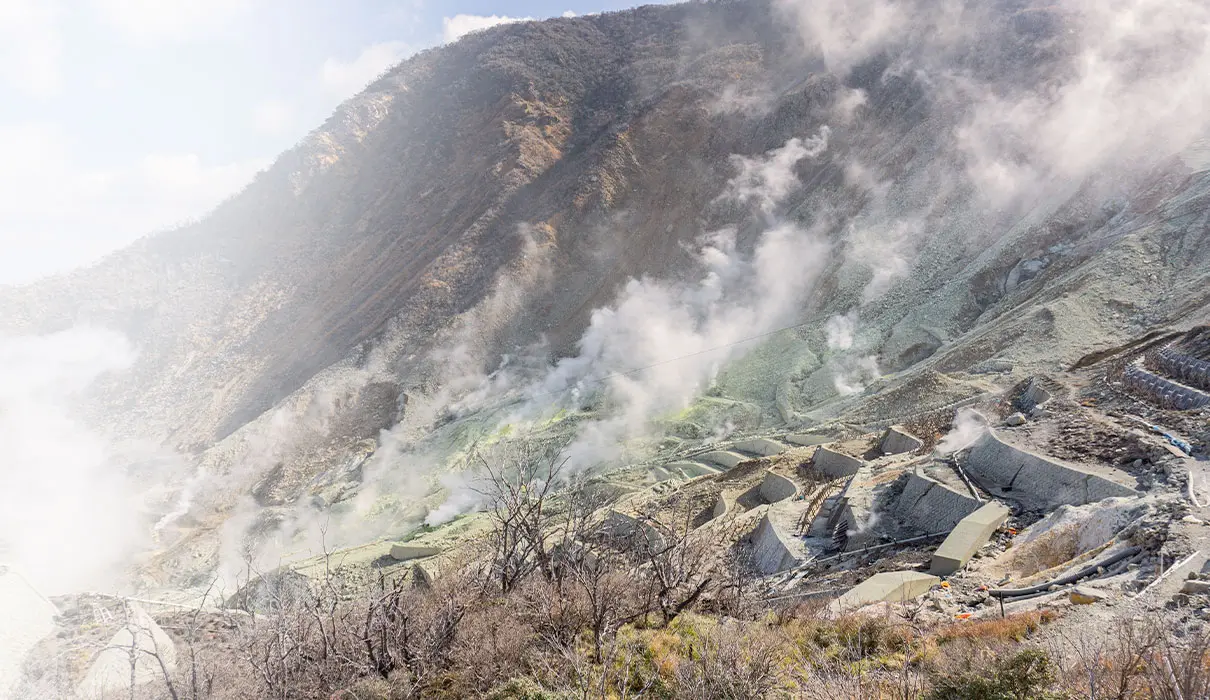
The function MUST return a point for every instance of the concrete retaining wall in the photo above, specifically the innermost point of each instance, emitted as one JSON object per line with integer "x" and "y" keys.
{"x": 724, "y": 459}
{"x": 404, "y": 552}
{"x": 637, "y": 534}
{"x": 930, "y": 506}
{"x": 712, "y": 512}
{"x": 770, "y": 554}
{"x": 887, "y": 587}
{"x": 1167, "y": 393}
{"x": 807, "y": 439}
{"x": 720, "y": 507}
{"x": 835, "y": 464}
{"x": 896, "y": 441}
{"x": 776, "y": 487}
{"x": 690, "y": 469}
{"x": 1035, "y": 482}
{"x": 760, "y": 446}
{"x": 968, "y": 537}
{"x": 424, "y": 574}
{"x": 1033, "y": 396}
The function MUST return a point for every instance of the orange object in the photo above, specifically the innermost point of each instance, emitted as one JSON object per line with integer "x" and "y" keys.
{"x": 945, "y": 584}
{"x": 963, "y": 616}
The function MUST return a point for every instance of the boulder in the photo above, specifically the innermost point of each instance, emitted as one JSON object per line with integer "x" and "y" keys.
{"x": 1082, "y": 595}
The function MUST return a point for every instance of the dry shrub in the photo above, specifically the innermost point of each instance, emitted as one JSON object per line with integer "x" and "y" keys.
{"x": 851, "y": 637}
{"x": 1025, "y": 675}
{"x": 734, "y": 661}
{"x": 1147, "y": 658}
{"x": 1013, "y": 628}
{"x": 491, "y": 647}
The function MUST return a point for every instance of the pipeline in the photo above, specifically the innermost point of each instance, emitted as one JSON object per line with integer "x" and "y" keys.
{"x": 1064, "y": 580}
{"x": 910, "y": 540}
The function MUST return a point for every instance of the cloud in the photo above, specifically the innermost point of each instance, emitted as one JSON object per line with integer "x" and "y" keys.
{"x": 152, "y": 21}
{"x": 345, "y": 78}
{"x": 272, "y": 116}
{"x": 459, "y": 26}
{"x": 31, "y": 47}
{"x": 58, "y": 213}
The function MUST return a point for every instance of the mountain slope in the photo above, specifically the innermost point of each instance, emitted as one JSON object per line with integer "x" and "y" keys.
{"x": 490, "y": 200}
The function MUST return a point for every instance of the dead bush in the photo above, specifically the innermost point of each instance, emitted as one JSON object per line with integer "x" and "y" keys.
{"x": 732, "y": 662}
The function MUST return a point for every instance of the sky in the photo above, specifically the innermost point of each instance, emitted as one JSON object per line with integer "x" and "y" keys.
{"x": 119, "y": 118}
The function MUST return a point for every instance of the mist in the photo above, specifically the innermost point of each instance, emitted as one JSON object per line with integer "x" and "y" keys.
{"x": 73, "y": 506}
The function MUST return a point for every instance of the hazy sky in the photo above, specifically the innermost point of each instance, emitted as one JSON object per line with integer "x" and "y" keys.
{"x": 122, "y": 117}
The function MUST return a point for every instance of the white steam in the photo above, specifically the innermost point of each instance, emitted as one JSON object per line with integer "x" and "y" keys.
{"x": 766, "y": 181}
{"x": 701, "y": 327}
{"x": 969, "y": 425}
{"x": 70, "y": 513}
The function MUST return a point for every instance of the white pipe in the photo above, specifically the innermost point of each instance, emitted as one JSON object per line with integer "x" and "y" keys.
{"x": 1164, "y": 574}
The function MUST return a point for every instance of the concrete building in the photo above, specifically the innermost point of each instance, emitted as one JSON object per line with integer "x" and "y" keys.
{"x": 968, "y": 537}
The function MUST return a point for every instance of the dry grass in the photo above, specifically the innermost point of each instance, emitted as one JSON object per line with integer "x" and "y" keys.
{"x": 1013, "y": 628}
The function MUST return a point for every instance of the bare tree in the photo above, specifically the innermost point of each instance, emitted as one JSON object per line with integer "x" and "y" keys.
{"x": 519, "y": 481}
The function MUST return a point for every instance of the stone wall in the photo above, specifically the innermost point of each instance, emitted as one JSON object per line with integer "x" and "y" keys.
{"x": 896, "y": 441}
{"x": 930, "y": 506}
{"x": 835, "y": 464}
{"x": 1033, "y": 481}
{"x": 770, "y": 554}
